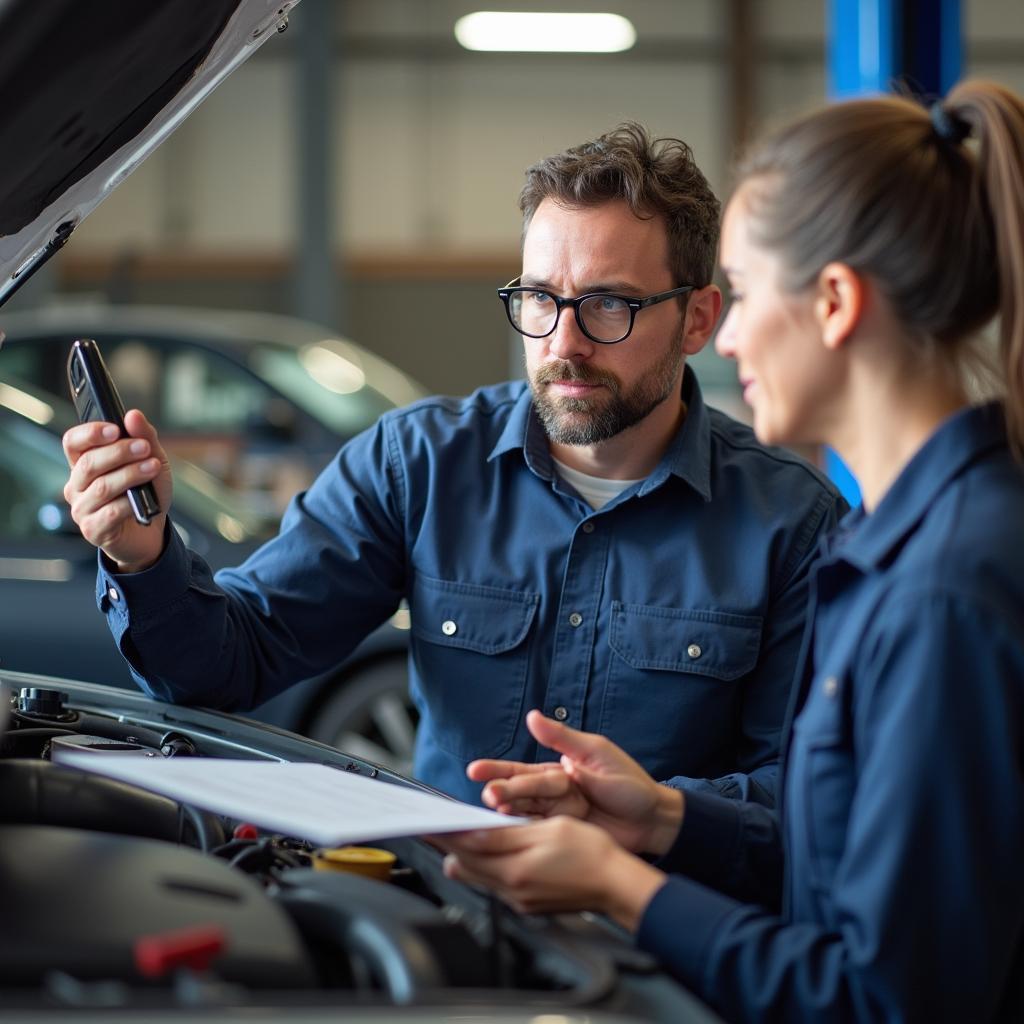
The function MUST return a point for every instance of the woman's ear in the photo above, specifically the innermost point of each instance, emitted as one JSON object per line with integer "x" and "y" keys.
{"x": 839, "y": 303}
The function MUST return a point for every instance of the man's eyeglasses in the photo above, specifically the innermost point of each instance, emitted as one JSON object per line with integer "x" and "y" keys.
{"x": 602, "y": 317}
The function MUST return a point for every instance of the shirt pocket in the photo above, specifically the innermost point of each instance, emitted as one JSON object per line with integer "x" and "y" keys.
{"x": 669, "y": 698}
{"x": 471, "y": 654}
{"x": 823, "y": 777}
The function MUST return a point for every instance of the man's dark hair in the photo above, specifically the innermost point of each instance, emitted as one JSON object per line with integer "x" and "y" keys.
{"x": 656, "y": 177}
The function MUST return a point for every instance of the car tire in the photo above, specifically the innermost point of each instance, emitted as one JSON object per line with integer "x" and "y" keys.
{"x": 371, "y": 716}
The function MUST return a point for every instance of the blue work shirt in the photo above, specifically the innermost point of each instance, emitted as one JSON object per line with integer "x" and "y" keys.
{"x": 895, "y": 887}
{"x": 669, "y": 620}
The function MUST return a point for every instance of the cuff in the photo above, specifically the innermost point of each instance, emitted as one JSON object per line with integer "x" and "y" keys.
{"x": 684, "y": 951}
{"x": 165, "y": 581}
{"x": 708, "y": 839}
{"x": 756, "y": 786}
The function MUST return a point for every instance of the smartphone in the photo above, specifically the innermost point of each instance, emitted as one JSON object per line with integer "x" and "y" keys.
{"x": 96, "y": 399}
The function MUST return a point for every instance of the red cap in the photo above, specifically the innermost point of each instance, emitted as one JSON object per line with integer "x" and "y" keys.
{"x": 195, "y": 947}
{"x": 246, "y": 831}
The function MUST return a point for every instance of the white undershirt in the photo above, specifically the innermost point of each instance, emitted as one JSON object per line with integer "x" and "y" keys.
{"x": 597, "y": 491}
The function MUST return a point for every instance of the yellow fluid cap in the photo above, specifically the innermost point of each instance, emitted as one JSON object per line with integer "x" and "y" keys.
{"x": 367, "y": 861}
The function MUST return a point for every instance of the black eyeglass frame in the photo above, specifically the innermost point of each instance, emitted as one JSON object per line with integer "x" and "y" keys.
{"x": 634, "y": 305}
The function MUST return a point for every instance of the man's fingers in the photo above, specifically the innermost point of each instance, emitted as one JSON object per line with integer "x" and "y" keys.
{"x": 103, "y": 474}
{"x": 138, "y": 426}
{"x": 101, "y": 526}
{"x": 80, "y": 439}
{"x": 91, "y": 462}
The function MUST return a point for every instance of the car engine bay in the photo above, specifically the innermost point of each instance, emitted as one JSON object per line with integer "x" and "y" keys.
{"x": 116, "y": 898}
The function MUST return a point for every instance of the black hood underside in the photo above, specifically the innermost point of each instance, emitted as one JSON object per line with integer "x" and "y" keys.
{"x": 81, "y": 78}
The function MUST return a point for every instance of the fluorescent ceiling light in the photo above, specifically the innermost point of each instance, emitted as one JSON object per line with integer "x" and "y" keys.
{"x": 548, "y": 33}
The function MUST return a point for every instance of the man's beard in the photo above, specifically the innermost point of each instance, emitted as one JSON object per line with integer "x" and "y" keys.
{"x": 586, "y": 421}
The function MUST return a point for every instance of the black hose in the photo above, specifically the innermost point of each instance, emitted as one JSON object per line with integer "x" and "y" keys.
{"x": 207, "y": 827}
{"x": 12, "y": 744}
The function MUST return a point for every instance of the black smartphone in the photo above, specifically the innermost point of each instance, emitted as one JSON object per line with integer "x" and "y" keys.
{"x": 96, "y": 399}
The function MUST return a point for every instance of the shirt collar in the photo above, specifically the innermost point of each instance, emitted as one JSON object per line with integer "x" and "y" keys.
{"x": 525, "y": 432}
{"x": 688, "y": 456}
{"x": 868, "y": 540}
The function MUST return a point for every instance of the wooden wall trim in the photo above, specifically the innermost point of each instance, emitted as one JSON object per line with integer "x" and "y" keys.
{"x": 75, "y": 268}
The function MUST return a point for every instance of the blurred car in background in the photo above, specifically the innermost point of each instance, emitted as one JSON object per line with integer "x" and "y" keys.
{"x": 262, "y": 402}
{"x": 48, "y": 574}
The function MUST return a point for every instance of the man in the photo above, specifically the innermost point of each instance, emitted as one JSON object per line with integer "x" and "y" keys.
{"x": 597, "y": 542}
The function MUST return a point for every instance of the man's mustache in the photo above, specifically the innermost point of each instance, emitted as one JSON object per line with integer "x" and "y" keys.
{"x": 557, "y": 373}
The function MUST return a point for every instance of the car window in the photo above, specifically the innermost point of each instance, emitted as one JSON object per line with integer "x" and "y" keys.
{"x": 184, "y": 388}
{"x": 32, "y": 476}
{"x": 263, "y": 416}
{"x": 33, "y": 472}
{"x": 39, "y": 363}
{"x": 326, "y": 381}
{"x": 207, "y": 500}
{"x": 202, "y": 391}
{"x": 189, "y": 389}
{"x": 260, "y": 389}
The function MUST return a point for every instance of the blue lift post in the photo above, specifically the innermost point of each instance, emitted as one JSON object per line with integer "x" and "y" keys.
{"x": 877, "y": 46}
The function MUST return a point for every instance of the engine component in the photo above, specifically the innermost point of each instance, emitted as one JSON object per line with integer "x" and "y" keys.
{"x": 356, "y": 860}
{"x": 46, "y": 704}
{"x": 408, "y": 944}
{"x": 105, "y": 892}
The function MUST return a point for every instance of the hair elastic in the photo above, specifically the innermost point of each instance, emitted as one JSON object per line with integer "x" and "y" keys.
{"x": 947, "y": 126}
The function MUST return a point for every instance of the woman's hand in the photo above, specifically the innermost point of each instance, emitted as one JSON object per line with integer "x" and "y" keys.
{"x": 559, "y": 864}
{"x": 594, "y": 780}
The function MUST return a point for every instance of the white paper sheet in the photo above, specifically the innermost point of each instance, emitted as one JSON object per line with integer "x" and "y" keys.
{"x": 327, "y": 806}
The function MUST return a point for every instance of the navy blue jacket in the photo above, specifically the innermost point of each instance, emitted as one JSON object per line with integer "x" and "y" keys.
{"x": 894, "y": 889}
{"x": 669, "y": 620}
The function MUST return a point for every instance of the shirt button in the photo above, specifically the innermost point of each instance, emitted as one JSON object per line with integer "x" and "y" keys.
{"x": 575, "y": 619}
{"x": 114, "y": 594}
{"x": 831, "y": 686}
{"x": 694, "y": 651}
{"x": 588, "y": 527}
{"x": 561, "y": 713}
{"x": 448, "y": 627}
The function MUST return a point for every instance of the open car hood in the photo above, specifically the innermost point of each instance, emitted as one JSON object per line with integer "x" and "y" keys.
{"x": 90, "y": 90}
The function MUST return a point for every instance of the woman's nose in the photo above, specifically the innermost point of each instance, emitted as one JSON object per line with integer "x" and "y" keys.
{"x": 725, "y": 339}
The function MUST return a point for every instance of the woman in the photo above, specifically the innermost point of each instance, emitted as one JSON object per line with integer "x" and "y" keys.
{"x": 865, "y": 246}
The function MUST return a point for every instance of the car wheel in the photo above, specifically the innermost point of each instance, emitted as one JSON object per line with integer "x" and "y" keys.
{"x": 371, "y": 716}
